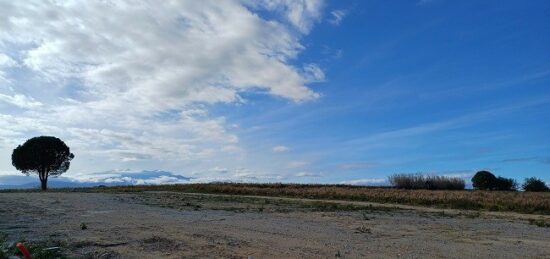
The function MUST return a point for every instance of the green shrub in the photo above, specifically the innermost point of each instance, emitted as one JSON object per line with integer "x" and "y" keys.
{"x": 534, "y": 184}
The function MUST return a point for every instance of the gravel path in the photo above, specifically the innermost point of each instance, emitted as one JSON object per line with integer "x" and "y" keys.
{"x": 176, "y": 225}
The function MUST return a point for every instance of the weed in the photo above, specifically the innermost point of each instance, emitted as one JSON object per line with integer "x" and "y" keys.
{"x": 83, "y": 226}
{"x": 363, "y": 229}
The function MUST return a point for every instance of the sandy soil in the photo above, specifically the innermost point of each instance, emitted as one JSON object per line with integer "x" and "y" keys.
{"x": 176, "y": 225}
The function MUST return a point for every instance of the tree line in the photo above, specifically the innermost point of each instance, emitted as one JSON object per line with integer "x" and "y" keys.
{"x": 482, "y": 180}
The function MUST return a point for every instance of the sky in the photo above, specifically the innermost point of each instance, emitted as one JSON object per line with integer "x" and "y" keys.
{"x": 306, "y": 91}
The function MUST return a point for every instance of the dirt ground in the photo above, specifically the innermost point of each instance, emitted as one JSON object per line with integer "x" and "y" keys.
{"x": 179, "y": 225}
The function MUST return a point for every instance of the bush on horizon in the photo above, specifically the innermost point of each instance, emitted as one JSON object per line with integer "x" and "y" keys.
{"x": 534, "y": 184}
{"x": 428, "y": 182}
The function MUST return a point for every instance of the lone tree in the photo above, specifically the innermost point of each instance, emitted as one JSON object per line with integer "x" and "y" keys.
{"x": 484, "y": 180}
{"x": 45, "y": 156}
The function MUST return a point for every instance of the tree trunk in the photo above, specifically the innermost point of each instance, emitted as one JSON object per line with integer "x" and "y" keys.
{"x": 44, "y": 184}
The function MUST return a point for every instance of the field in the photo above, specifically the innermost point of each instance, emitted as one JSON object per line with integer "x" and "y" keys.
{"x": 521, "y": 202}
{"x": 276, "y": 221}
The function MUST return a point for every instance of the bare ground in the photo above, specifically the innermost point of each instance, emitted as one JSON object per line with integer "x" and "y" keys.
{"x": 176, "y": 225}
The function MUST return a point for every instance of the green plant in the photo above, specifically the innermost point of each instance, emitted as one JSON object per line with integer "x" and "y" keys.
{"x": 534, "y": 184}
{"x": 83, "y": 226}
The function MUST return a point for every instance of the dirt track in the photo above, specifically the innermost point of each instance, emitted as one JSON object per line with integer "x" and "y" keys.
{"x": 175, "y": 225}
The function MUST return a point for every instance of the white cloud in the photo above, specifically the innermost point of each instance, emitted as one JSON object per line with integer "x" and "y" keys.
{"x": 313, "y": 73}
{"x": 20, "y": 101}
{"x": 235, "y": 175}
{"x": 127, "y": 176}
{"x": 355, "y": 166}
{"x": 308, "y": 174}
{"x": 6, "y": 61}
{"x": 280, "y": 149}
{"x": 297, "y": 164}
{"x": 178, "y": 52}
{"x": 336, "y": 17}
{"x": 300, "y": 13}
{"x": 125, "y": 82}
{"x": 367, "y": 181}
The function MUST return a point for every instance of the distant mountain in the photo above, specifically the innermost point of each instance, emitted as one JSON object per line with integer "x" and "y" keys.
{"x": 108, "y": 178}
{"x": 51, "y": 184}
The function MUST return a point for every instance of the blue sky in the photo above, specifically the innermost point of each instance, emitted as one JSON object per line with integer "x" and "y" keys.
{"x": 292, "y": 91}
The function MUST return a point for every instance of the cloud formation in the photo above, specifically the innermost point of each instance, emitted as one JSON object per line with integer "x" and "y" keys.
{"x": 336, "y": 17}
{"x": 280, "y": 149}
{"x": 130, "y": 81}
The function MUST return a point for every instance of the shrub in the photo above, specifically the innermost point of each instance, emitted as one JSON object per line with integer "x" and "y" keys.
{"x": 534, "y": 184}
{"x": 484, "y": 180}
{"x": 505, "y": 184}
{"x": 445, "y": 183}
{"x": 430, "y": 182}
{"x": 407, "y": 181}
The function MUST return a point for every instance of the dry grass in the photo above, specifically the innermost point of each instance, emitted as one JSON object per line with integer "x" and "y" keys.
{"x": 523, "y": 202}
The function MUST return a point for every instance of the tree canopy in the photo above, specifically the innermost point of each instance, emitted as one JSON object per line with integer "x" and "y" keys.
{"x": 484, "y": 180}
{"x": 44, "y": 155}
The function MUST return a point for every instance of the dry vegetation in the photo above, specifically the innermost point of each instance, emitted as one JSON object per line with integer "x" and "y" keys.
{"x": 523, "y": 202}
{"x": 429, "y": 182}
